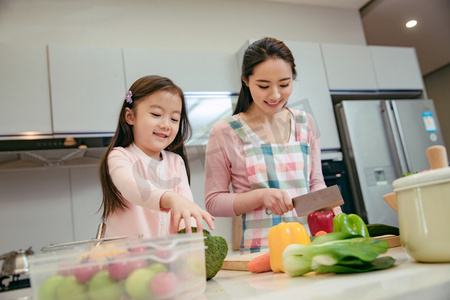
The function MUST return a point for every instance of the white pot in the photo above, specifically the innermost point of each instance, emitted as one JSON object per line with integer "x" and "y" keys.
{"x": 424, "y": 214}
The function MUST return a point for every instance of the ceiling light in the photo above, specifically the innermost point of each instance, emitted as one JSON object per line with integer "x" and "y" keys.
{"x": 411, "y": 23}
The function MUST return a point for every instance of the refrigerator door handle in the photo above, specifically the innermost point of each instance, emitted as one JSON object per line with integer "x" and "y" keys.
{"x": 399, "y": 157}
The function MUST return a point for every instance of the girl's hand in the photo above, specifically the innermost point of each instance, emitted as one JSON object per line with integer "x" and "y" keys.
{"x": 184, "y": 209}
{"x": 278, "y": 201}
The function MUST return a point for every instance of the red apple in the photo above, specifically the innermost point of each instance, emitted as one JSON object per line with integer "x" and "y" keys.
{"x": 163, "y": 284}
{"x": 86, "y": 270}
{"x": 66, "y": 269}
{"x": 123, "y": 265}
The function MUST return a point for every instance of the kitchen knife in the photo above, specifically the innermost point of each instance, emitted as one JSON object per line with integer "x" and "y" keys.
{"x": 324, "y": 199}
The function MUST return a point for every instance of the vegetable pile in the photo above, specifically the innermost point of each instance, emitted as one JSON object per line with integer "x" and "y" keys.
{"x": 348, "y": 248}
{"x": 337, "y": 252}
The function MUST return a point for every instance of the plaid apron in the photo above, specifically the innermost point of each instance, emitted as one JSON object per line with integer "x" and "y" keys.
{"x": 283, "y": 166}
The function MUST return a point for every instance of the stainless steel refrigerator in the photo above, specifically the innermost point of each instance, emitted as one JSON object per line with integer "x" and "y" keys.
{"x": 381, "y": 140}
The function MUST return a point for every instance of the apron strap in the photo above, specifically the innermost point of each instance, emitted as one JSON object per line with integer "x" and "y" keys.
{"x": 236, "y": 125}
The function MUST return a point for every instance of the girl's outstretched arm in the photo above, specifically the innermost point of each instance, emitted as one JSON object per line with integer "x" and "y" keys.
{"x": 184, "y": 209}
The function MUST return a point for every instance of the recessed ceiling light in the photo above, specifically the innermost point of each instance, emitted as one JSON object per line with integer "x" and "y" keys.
{"x": 411, "y": 23}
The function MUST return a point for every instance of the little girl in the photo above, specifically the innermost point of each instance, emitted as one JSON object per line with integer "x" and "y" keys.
{"x": 144, "y": 172}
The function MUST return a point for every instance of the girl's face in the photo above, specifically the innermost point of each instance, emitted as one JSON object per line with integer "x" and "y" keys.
{"x": 270, "y": 85}
{"x": 155, "y": 120}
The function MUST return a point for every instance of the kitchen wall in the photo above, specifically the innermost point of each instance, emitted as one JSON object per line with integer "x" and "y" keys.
{"x": 438, "y": 89}
{"x": 195, "y": 25}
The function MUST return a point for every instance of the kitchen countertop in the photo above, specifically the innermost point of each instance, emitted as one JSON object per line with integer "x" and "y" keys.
{"x": 408, "y": 279}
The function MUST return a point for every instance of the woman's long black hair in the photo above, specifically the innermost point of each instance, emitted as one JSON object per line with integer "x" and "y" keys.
{"x": 256, "y": 53}
{"x": 123, "y": 137}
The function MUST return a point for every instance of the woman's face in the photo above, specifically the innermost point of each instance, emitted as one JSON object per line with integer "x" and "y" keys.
{"x": 270, "y": 85}
{"x": 155, "y": 120}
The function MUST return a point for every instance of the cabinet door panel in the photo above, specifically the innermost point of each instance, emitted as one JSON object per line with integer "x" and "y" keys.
{"x": 348, "y": 67}
{"x": 24, "y": 89}
{"x": 396, "y": 68}
{"x": 191, "y": 71}
{"x": 88, "y": 87}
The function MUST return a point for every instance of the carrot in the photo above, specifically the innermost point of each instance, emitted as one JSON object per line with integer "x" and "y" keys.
{"x": 260, "y": 264}
{"x": 320, "y": 233}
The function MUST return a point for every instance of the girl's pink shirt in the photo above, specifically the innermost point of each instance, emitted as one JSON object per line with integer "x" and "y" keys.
{"x": 225, "y": 163}
{"x": 142, "y": 181}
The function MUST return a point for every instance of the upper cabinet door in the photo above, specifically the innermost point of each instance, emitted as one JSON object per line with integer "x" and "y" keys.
{"x": 24, "y": 89}
{"x": 311, "y": 92}
{"x": 87, "y": 88}
{"x": 191, "y": 71}
{"x": 348, "y": 67}
{"x": 396, "y": 68}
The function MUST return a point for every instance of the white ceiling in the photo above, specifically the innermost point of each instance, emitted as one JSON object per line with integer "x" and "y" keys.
{"x": 384, "y": 24}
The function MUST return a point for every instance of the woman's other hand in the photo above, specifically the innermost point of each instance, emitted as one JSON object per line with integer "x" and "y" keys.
{"x": 184, "y": 209}
{"x": 336, "y": 210}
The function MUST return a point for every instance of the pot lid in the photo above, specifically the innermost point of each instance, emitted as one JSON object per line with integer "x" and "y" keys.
{"x": 425, "y": 178}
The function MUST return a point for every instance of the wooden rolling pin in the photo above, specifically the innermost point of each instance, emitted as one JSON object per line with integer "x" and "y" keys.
{"x": 437, "y": 157}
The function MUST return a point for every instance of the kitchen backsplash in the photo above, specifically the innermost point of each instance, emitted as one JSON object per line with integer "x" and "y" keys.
{"x": 42, "y": 206}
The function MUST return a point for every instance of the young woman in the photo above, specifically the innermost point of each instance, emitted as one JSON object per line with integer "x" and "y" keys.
{"x": 268, "y": 152}
{"x": 144, "y": 172}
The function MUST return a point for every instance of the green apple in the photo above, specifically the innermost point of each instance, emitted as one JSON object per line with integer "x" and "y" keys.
{"x": 158, "y": 268}
{"x": 195, "y": 264}
{"x": 48, "y": 289}
{"x": 70, "y": 288}
{"x": 137, "y": 283}
{"x": 103, "y": 287}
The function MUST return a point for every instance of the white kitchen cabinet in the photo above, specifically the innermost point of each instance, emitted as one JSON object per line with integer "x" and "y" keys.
{"x": 24, "y": 89}
{"x": 87, "y": 88}
{"x": 191, "y": 71}
{"x": 310, "y": 90}
{"x": 371, "y": 68}
{"x": 348, "y": 67}
{"x": 396, "y": 68}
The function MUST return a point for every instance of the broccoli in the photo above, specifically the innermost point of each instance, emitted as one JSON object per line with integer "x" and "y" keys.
{"x": 215, "y": 253}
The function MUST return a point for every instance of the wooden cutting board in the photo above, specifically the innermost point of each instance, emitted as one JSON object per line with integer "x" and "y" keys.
{"x": 239, "y": 262}
{"x": 393, "y": 240}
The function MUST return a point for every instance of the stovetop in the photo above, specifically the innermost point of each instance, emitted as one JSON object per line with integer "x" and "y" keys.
{"x": 14, "y": 282}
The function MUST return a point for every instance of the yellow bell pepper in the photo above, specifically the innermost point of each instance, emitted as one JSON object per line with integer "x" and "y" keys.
{"x": 281, "y": 236}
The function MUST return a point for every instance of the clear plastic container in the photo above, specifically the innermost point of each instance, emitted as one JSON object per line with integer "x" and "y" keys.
{"x": 162, "y": 268}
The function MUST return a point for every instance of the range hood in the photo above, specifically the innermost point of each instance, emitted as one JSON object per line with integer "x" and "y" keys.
{"x": 35, "y": 151}
{"x": 339, "y": 95}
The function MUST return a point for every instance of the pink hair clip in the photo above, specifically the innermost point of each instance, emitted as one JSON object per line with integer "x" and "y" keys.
{"x": 128, "y": 97}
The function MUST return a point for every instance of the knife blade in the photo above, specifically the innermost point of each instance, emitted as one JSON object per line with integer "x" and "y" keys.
{"x": 324, "y": 199}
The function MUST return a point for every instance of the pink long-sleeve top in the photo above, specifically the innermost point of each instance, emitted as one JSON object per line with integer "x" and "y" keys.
{"x": 142, "y": 181}
{"x": 225, "y": 164}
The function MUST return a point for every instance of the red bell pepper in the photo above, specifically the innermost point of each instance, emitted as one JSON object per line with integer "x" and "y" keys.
{"x": 318, "y": 221}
